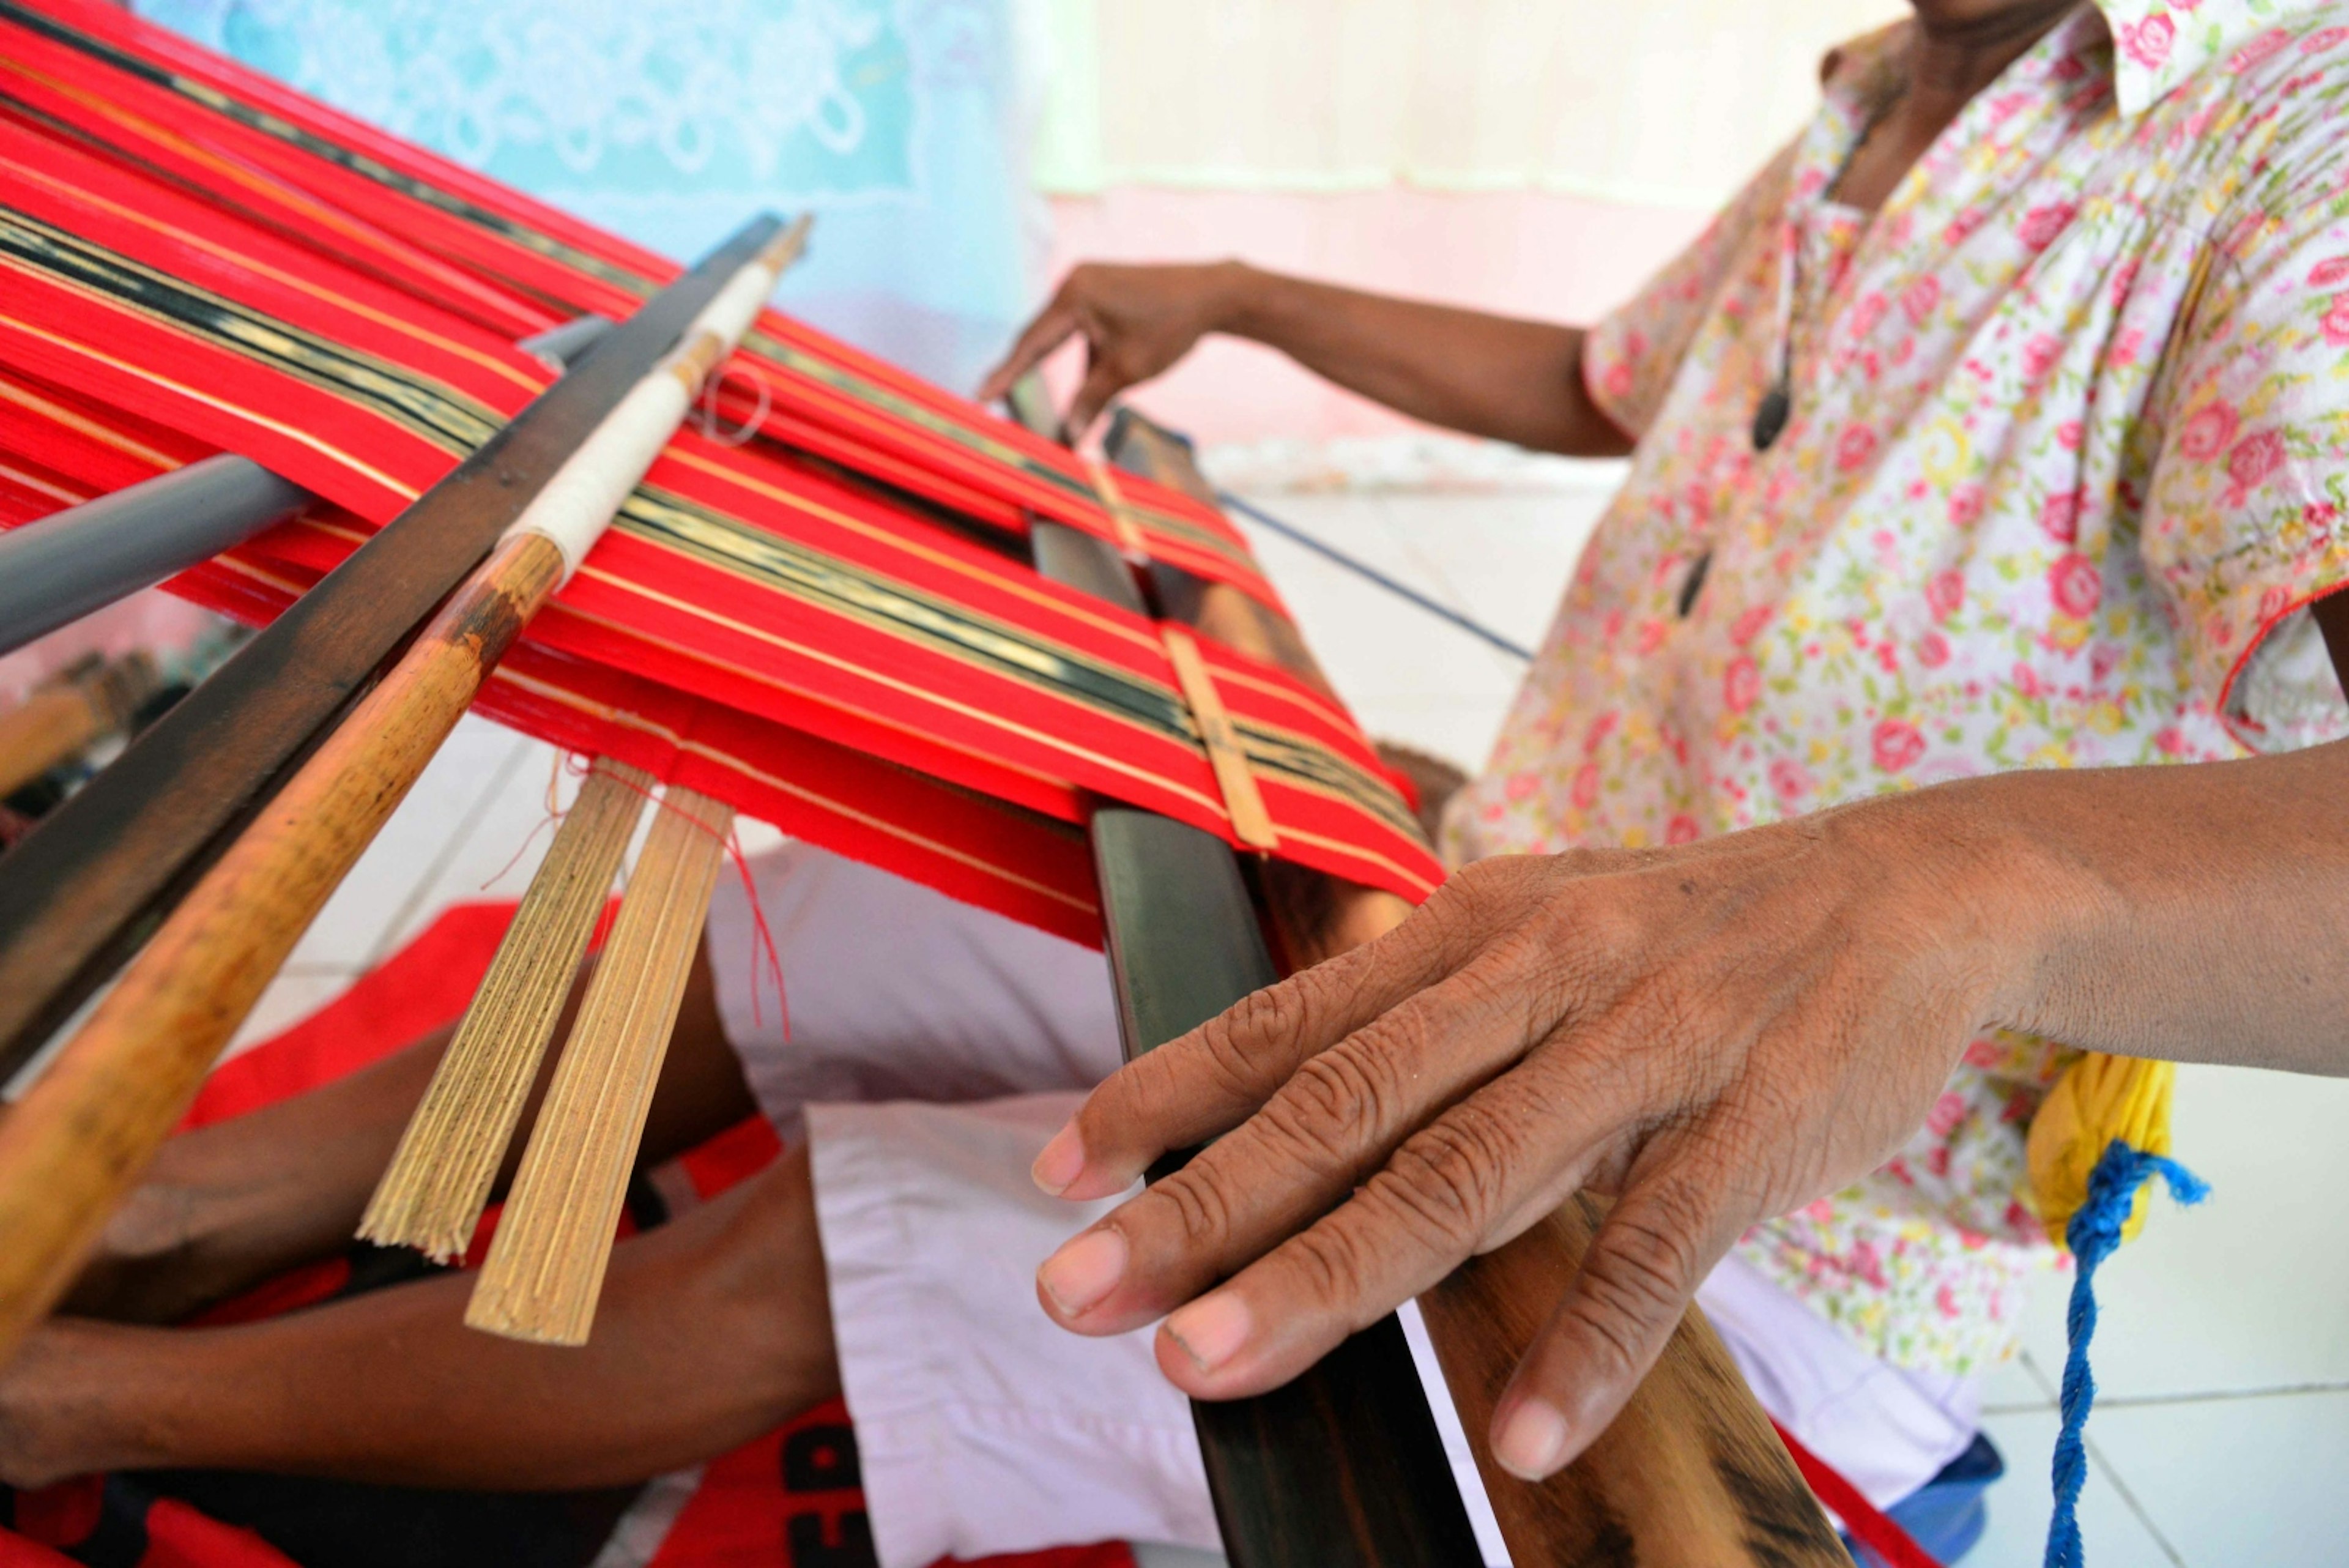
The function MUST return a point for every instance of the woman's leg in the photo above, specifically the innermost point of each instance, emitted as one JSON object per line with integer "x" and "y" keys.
{"x": 712, "y": 1329}
{"x": 231, "y": 1204}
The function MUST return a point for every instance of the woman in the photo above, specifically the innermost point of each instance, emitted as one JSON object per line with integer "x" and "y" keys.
{"x": 1998, "y": 425}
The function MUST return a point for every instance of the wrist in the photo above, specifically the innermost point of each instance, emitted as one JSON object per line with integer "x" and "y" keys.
{"x": 1241, "y": 299}
{"x": 1993, "y": 867}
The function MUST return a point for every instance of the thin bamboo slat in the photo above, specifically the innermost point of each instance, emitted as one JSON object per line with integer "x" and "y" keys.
{"x": 433, "y": 1194}
{"x": 545, "y": 1267}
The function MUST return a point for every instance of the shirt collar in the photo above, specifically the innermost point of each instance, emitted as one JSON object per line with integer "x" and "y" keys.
{"x": 2158, "y": 44}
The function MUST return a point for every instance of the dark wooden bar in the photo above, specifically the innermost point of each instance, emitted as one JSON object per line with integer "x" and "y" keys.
{"x": 1342, "y": 1468}
{"x": 80, "y": 895}
{"x": 1690, "y": 1475}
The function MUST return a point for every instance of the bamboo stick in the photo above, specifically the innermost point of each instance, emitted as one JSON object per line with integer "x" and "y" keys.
{"x": 545, "y": 1267}
{"x": 88, "y": 1128}
{"x": 433, "y": 1194}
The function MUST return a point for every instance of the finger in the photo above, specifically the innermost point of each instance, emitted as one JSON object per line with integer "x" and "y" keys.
{"x": 1671, "y": 1225}
{"x": 1103, "y": 380}
{"x": 1204, "y": 1084}
{"x": 1053, "y": 326}
{"x": 1417, "y": 1219}
{"x": 1425, "y": 1205}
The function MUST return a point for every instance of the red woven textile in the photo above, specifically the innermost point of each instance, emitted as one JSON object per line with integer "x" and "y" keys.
{"x": 349, "y": 188}
{"x": 824, "y": 656}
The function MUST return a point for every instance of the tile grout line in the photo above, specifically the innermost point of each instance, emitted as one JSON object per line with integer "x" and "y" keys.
{"x": 1438, "y": 585}
{"x": 2113, "y": 1475}
{"x": 450, "y": 849}
{"x": 319, "y": 968}
{"x": 2050, "y": 1398}
{"x": 2217, "y": 1395}
{"x": 2038, "y": 1374}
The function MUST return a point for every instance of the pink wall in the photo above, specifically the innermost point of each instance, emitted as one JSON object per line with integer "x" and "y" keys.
{"x": 1550, "y": 256}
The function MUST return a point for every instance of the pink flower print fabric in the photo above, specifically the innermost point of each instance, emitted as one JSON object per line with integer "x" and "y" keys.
{"x": 2068, "y": 458}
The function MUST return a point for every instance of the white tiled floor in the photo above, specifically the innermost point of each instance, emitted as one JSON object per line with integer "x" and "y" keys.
{"x": 2224, "y": 1352}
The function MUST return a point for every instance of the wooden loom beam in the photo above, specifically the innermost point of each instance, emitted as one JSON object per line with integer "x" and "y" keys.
{"x": 1343, "y": 1466}
{"x": 1690, "y": 1475}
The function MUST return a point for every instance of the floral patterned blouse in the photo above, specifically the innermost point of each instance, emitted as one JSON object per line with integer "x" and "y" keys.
{"x": 2067, "y": 458}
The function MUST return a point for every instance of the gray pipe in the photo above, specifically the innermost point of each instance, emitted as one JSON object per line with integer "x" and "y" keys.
{"x": 565, "y": 342}
{"x": 61, "y": 567}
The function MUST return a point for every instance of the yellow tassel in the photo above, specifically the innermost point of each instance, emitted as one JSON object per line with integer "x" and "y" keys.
{"x": 2098, "y": 1099}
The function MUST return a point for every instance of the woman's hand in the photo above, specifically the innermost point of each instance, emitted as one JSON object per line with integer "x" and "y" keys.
{"x": 1715, "y": 1033}
{"x": 1136, "y": 321}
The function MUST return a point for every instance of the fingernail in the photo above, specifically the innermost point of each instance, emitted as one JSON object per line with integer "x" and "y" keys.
{"x": 1062, "y": 1161}
{"x": 1211, "y": 1330}
{"x": 1081, "y": 1272}
{"x": 1532, "y": 1440}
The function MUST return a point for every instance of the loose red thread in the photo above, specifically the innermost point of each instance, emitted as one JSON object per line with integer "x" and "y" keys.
{"x": 732, "y": 844}
{"x": 766, "y": 936}
{"x": 555, "y": 815}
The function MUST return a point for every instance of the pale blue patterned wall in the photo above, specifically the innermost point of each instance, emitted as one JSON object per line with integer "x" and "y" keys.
{"x": 670, "y": 120}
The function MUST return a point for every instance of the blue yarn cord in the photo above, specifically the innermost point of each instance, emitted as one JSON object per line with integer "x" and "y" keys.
{"x": 2093, "y": 1235}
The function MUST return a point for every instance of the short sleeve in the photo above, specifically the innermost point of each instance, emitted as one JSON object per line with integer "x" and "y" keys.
{"x": 1629, "y": 357}
{"x": 2247, "y": 509}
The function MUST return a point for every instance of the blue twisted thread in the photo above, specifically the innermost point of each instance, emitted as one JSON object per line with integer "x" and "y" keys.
{"x": 2093, "y": 1235}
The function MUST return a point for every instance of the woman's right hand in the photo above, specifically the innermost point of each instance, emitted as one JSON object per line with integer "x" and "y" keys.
{"x": 1136, "y": 321}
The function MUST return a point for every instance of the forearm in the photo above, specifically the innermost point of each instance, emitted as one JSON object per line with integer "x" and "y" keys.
{"x": 2192, "y": 913}
{"x": 1484, "y": 374}
{"x": 710, "y": 1330}
{"x": 234, "y": 1202}
{"x": 231, "y": 1204}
